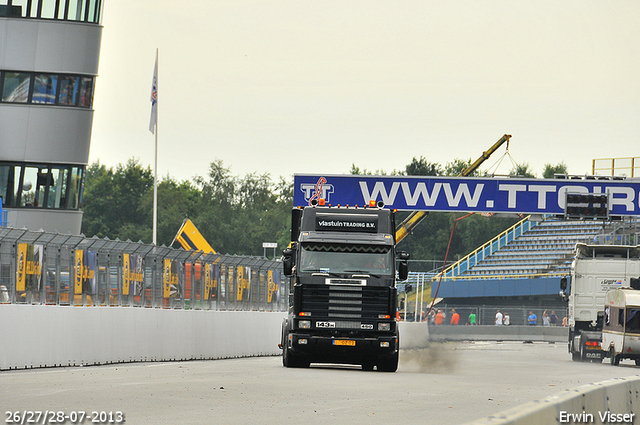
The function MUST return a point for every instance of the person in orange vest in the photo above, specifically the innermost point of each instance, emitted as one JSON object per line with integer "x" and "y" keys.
{"x": 439, "y": 317}
{"x": 455, "y": 317}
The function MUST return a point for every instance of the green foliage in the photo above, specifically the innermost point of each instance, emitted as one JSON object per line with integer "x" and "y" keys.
{"x": 237, "y": 214}
{"x": 113, "y": 201}
{"x": 551, "y": 170}
{"x": 430, "y": 239}
{"x": 458, "y": 165}
{"x": 522, "y": 170}
{"x": 421, "y": 167}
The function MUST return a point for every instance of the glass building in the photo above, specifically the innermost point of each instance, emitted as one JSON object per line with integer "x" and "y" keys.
{"x": 49, "y": 51}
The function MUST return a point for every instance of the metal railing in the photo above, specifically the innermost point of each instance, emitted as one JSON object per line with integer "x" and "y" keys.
{"x": 487, "y": 249}
{"x": 57, "y": 269}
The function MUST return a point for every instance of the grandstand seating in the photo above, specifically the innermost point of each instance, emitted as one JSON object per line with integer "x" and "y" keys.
{"x": 544, "y": 249}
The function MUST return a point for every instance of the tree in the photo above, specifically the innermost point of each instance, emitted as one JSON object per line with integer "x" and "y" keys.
{"x": 118, "y": 203}
{"x": 551, "y": 170}
{"x": 458, "y": 165}
{"x": 421, "y": 167}
{"x": 522, "y": 170}
{"x": 238, "y": 214}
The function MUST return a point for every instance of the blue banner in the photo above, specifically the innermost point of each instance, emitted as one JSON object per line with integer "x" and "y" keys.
{"x": 492, "y": 195}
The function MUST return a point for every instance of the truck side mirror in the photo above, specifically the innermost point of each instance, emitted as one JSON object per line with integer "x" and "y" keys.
{"x": 563, "y": 289}
{"x": 287, "y": 261}
{"x": 403, "y": 266}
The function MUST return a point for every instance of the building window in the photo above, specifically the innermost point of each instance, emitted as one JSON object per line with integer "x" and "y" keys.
{"x": 64, "y": 10}
{"x": 44, "y": 89}
{"x": 47, "y": 89}
{"x": 68, "y": 90}
{"x": 41, "y": 185}
{"x": 15, "y": 87}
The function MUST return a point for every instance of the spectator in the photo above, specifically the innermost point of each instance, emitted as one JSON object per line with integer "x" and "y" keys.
{"x": 498, "y": 318}
{"x": 564, "y": 321}
{"x": 545, "y": 319}
{"x": 532, "y": 318}
{"x": 439, "y": 317}
{"x": 472, "y": 318}
{"x": 553, "y": 319}
{"x": 432, "y": 317}
{"x": 507, "y": 319}
{"x": 455, "y": 317}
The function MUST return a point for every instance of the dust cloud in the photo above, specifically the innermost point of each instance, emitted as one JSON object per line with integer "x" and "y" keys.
{"x": 418, "y": 354}
{"x": 433, "y": 358}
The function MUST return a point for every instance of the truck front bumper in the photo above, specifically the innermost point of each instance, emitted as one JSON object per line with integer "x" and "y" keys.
{"x": 320, "y": 349}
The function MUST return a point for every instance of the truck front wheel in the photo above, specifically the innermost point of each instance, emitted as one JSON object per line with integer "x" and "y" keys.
{"x": 291, "y": 360}
{"x": 389, "y": 364}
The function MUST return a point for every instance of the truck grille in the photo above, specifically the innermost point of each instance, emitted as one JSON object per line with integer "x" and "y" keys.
{"x": 352, "y": 302}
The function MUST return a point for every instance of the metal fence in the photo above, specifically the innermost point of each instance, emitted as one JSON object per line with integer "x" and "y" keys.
{"x": 56, "y": 269}
{"x": 486, "y": 315}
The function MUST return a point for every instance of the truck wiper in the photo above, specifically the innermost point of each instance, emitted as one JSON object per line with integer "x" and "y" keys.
{"x": 314, "y": 271}
{"x": 368, "y": 273}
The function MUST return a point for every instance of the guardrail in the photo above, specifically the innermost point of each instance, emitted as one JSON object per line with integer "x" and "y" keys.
{"x": 57, "y": 269}
{"x": 499, "y": 333}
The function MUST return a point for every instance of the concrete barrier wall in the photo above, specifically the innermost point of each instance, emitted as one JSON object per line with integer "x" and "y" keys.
{"x": 591, "y": 403}
{"x": 42, "y": 336}
{"x": 499, "y": 333}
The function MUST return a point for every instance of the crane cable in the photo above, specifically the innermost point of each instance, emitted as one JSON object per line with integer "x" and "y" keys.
{"x": 433, "y": 301}
{"x": 495, "y": 166}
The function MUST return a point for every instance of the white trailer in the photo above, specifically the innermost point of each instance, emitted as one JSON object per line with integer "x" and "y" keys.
{"x": 621, "y": 328}
{"x": 595, "y": 270}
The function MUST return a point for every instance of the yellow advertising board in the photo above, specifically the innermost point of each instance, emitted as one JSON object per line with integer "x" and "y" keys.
{"x": 239, "y": 281}
{"x": 21, "y": 281}
{"x": 126, "y": 274}
{"x": 210, "y": 281}
{"x": 29, "y": 267}
{"x": 271, "y": 286}
{"x": 77, "y": 273}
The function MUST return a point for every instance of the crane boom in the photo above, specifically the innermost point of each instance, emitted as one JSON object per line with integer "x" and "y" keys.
{"x": 416, "y": 217}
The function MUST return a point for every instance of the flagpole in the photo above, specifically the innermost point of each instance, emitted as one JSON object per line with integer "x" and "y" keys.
{"x": 155, "y": 171}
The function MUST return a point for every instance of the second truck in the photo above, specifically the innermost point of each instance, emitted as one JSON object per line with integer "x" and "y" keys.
{"x": 595, "y": 270}
{"x": 341, "y": 267}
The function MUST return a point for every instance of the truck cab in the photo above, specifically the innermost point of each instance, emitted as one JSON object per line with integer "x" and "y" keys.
{"x": 341, "y": 267}
{"x": 595, "y": 270}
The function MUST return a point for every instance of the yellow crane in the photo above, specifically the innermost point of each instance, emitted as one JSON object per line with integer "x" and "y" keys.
{"x": 190, "y": 238}
{"x": 417, "y": 216}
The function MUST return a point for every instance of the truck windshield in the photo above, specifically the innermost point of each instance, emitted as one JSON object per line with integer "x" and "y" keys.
{"x": 349, "y": 259}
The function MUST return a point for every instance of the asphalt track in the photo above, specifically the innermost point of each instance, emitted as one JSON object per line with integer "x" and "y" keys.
{"x": 446, "y": 383}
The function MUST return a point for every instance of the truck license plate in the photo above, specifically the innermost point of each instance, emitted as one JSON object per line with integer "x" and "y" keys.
{"x": 592, "y": 355}
{"x": 344, "y": 342}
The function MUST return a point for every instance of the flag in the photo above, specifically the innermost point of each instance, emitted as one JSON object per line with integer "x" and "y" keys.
{"x": 154, "y": 98}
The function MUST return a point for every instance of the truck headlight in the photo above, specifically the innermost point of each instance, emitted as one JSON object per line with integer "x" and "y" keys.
{"x": 384, "y": 326}
{"x": 304, "y": 324}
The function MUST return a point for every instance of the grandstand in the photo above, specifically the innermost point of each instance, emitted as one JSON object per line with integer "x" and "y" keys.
{"x": 545, "y": 249}
{"x": 525, "y": 263}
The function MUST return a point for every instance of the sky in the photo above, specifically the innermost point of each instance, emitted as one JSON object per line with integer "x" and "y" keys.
{"x": 285, "y": 87}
